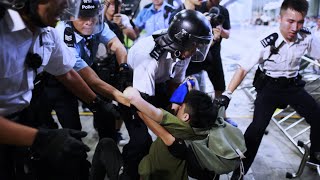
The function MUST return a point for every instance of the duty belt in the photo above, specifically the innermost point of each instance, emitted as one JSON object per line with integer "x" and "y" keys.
{"x": 283, "y": 80}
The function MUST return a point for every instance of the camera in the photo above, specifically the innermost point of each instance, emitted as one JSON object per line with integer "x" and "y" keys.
{"x": 216, "y": 18}
{"x": 130, "y": 7}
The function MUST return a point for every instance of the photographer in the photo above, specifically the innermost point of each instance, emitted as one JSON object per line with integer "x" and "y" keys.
{"x": 118, "y": 23}
{"x": 213, "y": 64}
{"x": 188, "y": 4}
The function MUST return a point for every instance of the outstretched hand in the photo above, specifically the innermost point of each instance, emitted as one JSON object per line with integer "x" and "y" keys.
{"x": 132, "y": 94}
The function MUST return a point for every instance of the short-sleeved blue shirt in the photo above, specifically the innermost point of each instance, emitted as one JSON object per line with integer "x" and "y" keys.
{"x": 83, "y": 55}
{"x": 152, "y": 20}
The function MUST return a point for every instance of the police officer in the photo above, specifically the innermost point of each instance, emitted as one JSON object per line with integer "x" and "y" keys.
{"x": 159, "y": 63}
{"x": 82, "y": 36}
{"x": 29, "y": 46}
{"x": 153, "y": 17}
{"x": 277, "y": 79}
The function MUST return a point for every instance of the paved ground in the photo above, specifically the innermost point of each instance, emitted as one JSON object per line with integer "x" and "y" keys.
{"x": 277, "y": 155}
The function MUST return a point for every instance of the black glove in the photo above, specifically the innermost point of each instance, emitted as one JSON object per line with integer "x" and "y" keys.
{"x": 60, "y": 149}
{"x": 101, "y": 106}
{"x": 222, "y": 100}
{"x": 125, "y": 76}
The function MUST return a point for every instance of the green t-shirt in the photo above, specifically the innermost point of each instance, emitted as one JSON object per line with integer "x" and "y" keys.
{"x": 159, "y": 163}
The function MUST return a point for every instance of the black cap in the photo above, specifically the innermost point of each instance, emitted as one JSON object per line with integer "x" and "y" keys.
{"x": 89, "y": 8}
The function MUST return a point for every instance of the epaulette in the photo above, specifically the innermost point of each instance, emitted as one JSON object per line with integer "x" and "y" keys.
{"x": 167, "y": 9}
{"x": 147, "y": 6}
{"x": 69, "y": 37}
{"x": 269, "y": 40}
{"x": 305, "y": 30}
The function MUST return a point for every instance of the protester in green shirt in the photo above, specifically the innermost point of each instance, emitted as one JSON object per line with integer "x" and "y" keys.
{"x": 197, "y": 111}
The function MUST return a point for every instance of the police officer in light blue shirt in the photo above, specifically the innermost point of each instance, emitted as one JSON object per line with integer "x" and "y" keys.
{"x": 83, "y": 36}
{"x": 153, "y": 17}
{"x": 84, "y": 54}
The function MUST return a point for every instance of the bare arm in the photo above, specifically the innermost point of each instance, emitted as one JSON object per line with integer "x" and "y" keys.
{"x": 103, "y": 88}
{"x": 116, "y": 46}
{"x": 225, "y": 33}
{"x": 158, "y": 130}
{"x": 143, "y": 106}
{"x": 77, "y": 86}
{"x": 130, "y": 32}
{"x": 16, "y": 134}
{"x": 237, "y": 79}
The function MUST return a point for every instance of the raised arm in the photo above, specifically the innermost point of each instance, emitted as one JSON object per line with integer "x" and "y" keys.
{"x": 77, "y": 86}
{"x": 101, "y": 87}
{"x": 157, "y": 129}
{"x": 117, "y": 47}
{"x": 237, "y": 79}
{"x": 142, "y": 105}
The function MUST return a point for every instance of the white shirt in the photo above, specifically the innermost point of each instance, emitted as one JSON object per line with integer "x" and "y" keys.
{"x": 316, "y": 34}
{"x": 16, "y": 79}
{"x": 125, "y": 21}
{"x": 147, "y": 71}
{"x": 287, "y": 62}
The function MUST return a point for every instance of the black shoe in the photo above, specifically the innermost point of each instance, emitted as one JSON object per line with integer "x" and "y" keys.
{"x": 236, "y": 176}
{"x": 314, "y": 160}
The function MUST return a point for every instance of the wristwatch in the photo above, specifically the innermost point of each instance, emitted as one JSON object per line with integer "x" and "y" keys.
{"x": 227, "y": 93}
{"x": 123, "y": 66}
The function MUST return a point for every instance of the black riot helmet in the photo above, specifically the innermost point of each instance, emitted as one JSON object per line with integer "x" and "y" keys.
{"x": 189, "y": 30}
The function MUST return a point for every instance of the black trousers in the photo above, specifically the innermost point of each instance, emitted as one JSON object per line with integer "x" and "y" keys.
{"x": 106, "y": 161}
{"x": 55, "y": 96}
{"x": 137, "y": 148}
{"x": 105, "y": 124}
{"x": 214, "y": 68}
{"x": 140, "y": 139}
{"x": 272, "y": 96}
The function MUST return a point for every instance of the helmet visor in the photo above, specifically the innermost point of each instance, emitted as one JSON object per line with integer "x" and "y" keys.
{"x": 94, "y": 19}
{"x": 71, "y": 10}
{"x": 90, "y": 17}
{"x": 201, "y": 52}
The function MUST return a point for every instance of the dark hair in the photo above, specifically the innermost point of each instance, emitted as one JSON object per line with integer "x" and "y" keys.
{"x": 203, "y": 113}
{"x": 301, "y": 6}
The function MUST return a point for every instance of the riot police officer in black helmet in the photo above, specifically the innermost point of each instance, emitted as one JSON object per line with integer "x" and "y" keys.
{"x": 186, "y": 34}
{"x": 159, "y": 63}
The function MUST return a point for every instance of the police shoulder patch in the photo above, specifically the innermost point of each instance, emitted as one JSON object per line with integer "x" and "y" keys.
{"x": 147, "y": 6}
{"x": 69, "y": 37}
{"x": 305, "y": 30}
{"x": 269, "y": 40}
